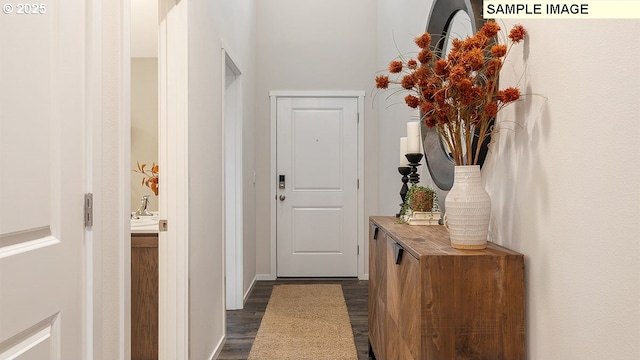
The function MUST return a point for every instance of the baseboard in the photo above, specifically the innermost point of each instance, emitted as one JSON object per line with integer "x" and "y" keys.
{"x": 269, "y": 277}
{"x": 218, "y": 349}
{"x": 265, "y": 277}
{"x": 246, "y": 294}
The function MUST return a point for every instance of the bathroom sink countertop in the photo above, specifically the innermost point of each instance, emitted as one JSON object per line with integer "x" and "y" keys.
{"x": 145, "y": 224}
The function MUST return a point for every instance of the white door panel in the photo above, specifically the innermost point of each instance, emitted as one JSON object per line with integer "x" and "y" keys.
{"x": 317, "y": 210}
{"x": 41, "y": 181}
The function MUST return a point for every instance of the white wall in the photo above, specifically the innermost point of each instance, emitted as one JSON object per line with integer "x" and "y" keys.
{"x": 398, "y": 24}
{"x": 312, "y": 45}
{"x": 144, "y": 95}
{"x": 565, "y": 187}
{"x": 144, "y": 28}
{"x": 144, "y": 125}
{"x": 209, "y": 23}
{"x": 564, "y": 184}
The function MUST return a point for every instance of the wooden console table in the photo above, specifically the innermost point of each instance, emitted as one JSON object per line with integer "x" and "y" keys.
{"x": 428, "y": 300}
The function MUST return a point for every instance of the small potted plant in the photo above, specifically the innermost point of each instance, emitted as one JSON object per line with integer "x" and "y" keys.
{"x": 420, "y": 206}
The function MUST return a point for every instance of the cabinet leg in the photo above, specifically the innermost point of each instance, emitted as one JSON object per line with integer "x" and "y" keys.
{"x": 371, "y": 354}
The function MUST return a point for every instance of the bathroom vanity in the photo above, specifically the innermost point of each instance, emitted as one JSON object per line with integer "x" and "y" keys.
{"x": 144, "y": 288}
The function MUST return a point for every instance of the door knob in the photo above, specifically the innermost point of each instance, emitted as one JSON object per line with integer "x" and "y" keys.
{"x": 282, "y": 197}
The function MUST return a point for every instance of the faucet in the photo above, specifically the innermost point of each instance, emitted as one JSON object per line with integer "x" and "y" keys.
{"x": 143, "y": 210}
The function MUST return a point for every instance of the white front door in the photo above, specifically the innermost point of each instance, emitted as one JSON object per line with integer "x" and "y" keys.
{"x": 317, "y": 161}
{"x": 42, "y": 155}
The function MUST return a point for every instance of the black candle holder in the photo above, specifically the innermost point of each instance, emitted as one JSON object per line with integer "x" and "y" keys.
{"x": 404, "y": 171}
{"x": 414, "y": 162}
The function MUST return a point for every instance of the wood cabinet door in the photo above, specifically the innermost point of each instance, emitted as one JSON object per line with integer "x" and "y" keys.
{"x": 410, "y": 315}
{"x": 144, "y": 297}
{"x": 403, "y": 303}
{"x": 377, "y": 289}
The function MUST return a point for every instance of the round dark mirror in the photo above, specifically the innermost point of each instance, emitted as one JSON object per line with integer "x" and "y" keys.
{"x": 448, "y": 20}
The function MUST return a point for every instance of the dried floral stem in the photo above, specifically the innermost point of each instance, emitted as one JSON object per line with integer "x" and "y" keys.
{"x": 150, "y": 176}
{"x": 458, "y": 95}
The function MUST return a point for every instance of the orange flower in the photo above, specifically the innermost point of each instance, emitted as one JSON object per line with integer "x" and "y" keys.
{"x": 421, "y": 73}
{"x": 499, "y": 50}
{"x": 382, "y": 81}
{"x": 490, "y": 29}
{"x": 440, "y": 67}
{"x": 474, "y": 58}
{"x": 427, "y": 92}
{"x": 454, "y": 56}
{"x": 517, "y": 33}
{"x": 440, "y": 98}
{"x": 466, "y": 92}
{"x": 508, "y": 95}
{"x": 426, "y": 107}
{"x": 395, "y": 67}
{"x": 469, "y": 93}
{"x": 425, "y": 55}
{"x": 457, "y": 74}
{"x": 412, "y": 101}
{"x": 423, "y": 40}
{"x": 491, "y": 109}
{"x": 429, "y": 121}
{"x": 475, "y": 42}
{"x": 456, "y": 44}
{"x": 408, "y": 82}
{"x": 412, "y": 64}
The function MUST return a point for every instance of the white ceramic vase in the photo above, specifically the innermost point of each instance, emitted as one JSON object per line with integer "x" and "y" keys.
{"x": 468, "y": 209}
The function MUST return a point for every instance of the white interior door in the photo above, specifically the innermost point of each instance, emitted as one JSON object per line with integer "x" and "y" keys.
{"x": 42, "y": 82}
{"x": 317, "y": 156}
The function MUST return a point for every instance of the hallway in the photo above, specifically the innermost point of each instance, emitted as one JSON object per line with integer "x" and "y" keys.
{"x": 242, "y": 325}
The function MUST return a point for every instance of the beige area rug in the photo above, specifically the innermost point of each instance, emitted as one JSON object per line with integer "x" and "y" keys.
{"x": 305, "y": 322}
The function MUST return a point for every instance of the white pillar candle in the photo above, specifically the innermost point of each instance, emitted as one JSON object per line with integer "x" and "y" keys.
{"x": 413, "y": 137}
{"x": 403, "y": 152}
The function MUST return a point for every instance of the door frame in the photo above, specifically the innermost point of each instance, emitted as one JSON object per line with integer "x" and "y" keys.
{"x": 93, "y": 184}
{"x": 173, "y": 244}
{"x": 359, "y": 96}
{"x": 173, "y": 255}
{"x": 173, "y": 259}
{"x": 234, "y": 248}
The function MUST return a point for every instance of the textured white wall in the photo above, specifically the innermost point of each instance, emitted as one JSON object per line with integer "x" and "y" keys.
{"x": 210, "y": 22}
{"x": 312, "y": 45}
{"x": 563, "y": 182}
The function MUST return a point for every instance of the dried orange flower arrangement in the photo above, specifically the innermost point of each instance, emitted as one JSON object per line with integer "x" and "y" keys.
{"x": 458, "y": 94}
{"x": 150, "y": 178}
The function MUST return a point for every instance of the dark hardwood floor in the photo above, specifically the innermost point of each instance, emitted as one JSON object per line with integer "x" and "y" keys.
{"x": 242, "y": 325}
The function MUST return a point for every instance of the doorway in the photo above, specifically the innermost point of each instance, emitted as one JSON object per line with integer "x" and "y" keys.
{"x": 318, "y": 185}
{"x": 233, "y": 233}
